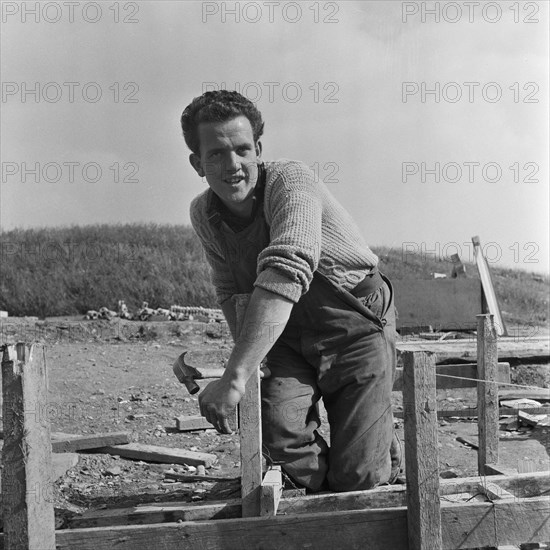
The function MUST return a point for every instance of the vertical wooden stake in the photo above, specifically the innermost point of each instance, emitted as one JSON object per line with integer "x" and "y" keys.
{"x": 421, "y": 451}
{"x": 487, "y": 392}
{"x": 250, "y": 429}
{"x": 27, "y": 503}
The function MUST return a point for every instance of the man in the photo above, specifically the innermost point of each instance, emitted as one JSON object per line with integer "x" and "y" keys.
{"x": 323, "y": 314}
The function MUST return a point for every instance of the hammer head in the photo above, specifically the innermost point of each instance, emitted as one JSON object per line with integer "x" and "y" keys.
{"x": 186, "y": 374}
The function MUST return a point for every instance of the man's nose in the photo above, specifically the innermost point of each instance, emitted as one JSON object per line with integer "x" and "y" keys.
{"x": 233, "y": 162}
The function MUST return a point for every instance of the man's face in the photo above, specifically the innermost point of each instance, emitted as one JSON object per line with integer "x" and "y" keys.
{"x": 229, "y": 161}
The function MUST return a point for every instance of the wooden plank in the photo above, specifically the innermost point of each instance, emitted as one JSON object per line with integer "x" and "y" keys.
{"x": 466, "y": 350}
{"x": 467, "y": 372}
{"x": 193, "y": 478}
{"x": 542, "y": 394}
{"x": 162, "y": 512}
{"x": 250, "y": 428}
{"x": 421, "y": 458}
{"x": 464, "y": 525}
{"x": 487, "y": 393}
{"x": 444, "y": 304}
{"x": 68, "y": 443}
{"x": 506, "y": 521}
{"x": 472, "y": 412}
{"x": 272, "y": 489}
{"x": 154, "y": 453}
{"x": 381, "y": 497}
{"x": 521, "y": 485}
{"x": 190, "y": 423}
{"x": 488, "y": 288}
{"x": 27, "y": 503}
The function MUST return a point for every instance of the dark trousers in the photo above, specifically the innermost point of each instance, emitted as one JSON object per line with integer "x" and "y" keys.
{"x": 342, "y": 349}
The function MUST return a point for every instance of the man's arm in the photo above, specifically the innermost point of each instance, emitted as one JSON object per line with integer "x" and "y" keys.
{"x": 266, "y": 317}
{"x": 230, "y": 315}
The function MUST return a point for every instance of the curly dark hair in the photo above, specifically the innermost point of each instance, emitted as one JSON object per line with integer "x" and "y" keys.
{"x": 218, "y": 106}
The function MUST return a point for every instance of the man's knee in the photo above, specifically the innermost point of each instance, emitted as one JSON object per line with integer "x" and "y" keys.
{"x": 362, "y": 477}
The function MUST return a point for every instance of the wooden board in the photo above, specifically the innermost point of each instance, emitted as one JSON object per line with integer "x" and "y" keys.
{"x": 473, "y": 413}
{"x": 154, "y": 453}
{"x": 444, "y": 304}
{"x": 489, "y": 293}
{"x": 190, "y": 423}
{"x": 466, "y": 350}
{"x": 466, "y": 372}
{"x": 27, "y": 485}
{"x": 542, "y": 394}
{"x": 421, "y": 458}
{"x": 68, "y": 443}
{"x": 521, "y": 485}
{"x": 250, "y": 428}
{"x": 463, "y": 526}
{"x": 487, "y": 393}
{"x": 190, "y": 478}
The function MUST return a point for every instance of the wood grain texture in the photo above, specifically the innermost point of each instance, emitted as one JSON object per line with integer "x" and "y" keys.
{"x": 250, "y": 428}
{"x": 465, "y": 525}
{"x": 420, "y": 405}
{"x": 521, "y": 485}
{"x": 27, "y": 491}
{"x": 68, "y": 443}
{"x": 487, "y": 392}
{"x": 488, "y": 287}
{"x": 541, "y": 394}
{"x": 466, "y": 350}
{"x": 154, "y": 453}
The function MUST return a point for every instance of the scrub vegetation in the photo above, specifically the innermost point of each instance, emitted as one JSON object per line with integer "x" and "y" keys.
{"x": 69, "y": 270}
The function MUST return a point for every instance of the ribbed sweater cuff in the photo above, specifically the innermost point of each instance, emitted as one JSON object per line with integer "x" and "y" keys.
{"x": 278, "y": 283}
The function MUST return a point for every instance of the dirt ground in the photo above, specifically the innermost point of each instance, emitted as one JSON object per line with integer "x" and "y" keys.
{"x": 114, "y": 376}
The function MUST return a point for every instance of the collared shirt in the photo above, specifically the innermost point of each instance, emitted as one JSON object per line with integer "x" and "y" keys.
{"x": 217, "y": 211}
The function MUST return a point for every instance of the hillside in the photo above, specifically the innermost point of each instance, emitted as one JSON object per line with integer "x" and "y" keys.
{"x": 66, "y": 271}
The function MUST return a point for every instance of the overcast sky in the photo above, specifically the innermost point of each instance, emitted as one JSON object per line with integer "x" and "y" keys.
{"x": 340, "y": 85}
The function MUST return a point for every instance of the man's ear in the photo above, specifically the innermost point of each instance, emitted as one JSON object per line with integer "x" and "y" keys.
{"x": 258, "y": 149}
{"x": 196, "y": 163}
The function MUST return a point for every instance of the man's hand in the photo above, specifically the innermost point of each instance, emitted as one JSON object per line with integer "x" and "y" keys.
{"x": 218, "y": 401}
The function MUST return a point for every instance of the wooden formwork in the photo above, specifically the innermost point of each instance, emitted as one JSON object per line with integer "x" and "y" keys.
{"x": 427, "y": 514}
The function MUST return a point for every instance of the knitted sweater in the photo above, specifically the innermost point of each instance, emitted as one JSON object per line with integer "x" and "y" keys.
{"x": 309, "y": 231}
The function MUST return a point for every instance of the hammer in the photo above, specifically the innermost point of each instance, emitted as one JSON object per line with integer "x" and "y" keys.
{"x": 186, "y": 374}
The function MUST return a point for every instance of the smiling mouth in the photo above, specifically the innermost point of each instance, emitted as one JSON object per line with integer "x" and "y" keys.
{"x": 234, "y": 180}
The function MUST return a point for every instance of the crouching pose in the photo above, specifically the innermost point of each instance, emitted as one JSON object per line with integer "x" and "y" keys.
{"x": 323, "y": 314}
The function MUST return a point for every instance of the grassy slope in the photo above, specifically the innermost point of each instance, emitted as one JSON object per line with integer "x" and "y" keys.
{"x": 66, "y": 271}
